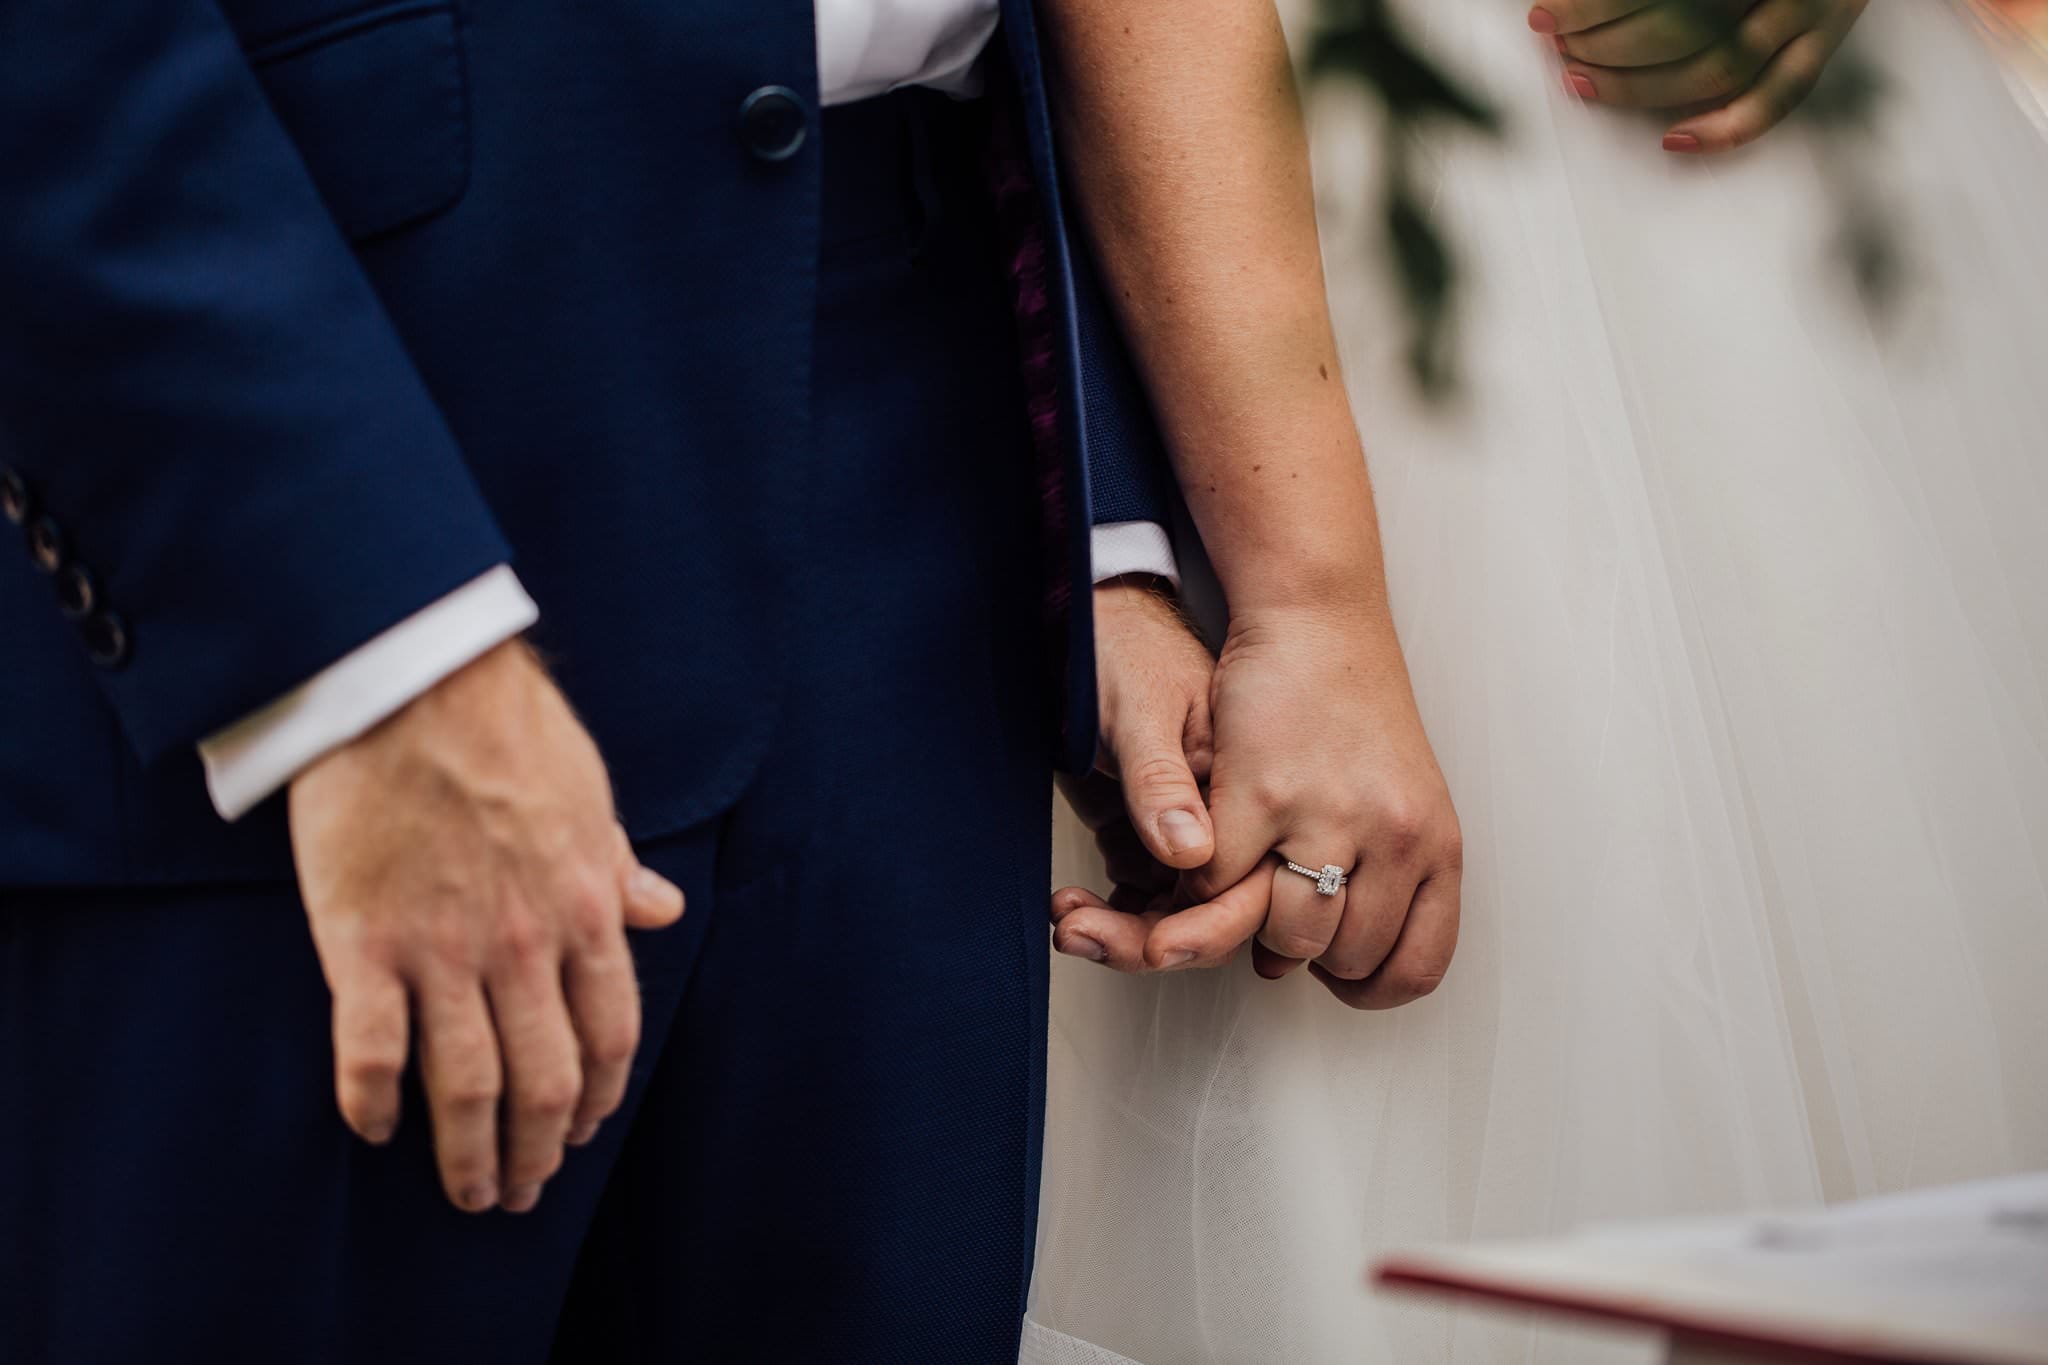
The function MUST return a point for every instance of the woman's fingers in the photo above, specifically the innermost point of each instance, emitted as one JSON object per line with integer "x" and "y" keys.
{"x": 1723, "y": 69}
{"x": 1574, "y": 16}
{"x": 1659, "y": 33}
{"x": 1303, "y": 920}
{"x": 1788, "y": 79}
{"x": 1375, "y": 907}
{"x": 1420, "y": 957}
{"x": 1209, "y": 934}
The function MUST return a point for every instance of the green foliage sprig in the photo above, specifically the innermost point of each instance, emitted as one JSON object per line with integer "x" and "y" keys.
{"x": 1360, "y": 41}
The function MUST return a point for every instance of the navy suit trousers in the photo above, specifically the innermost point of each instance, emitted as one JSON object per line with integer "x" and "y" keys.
{"x": 830, "y": 1147}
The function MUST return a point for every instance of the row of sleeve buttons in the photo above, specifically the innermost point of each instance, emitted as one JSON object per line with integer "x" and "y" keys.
{"x": 78, "y": 591}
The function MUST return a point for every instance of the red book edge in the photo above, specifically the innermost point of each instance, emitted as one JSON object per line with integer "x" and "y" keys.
{"x": 1778, "y": 1343}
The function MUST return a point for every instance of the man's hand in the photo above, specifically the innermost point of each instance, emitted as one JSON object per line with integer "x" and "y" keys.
{"x": 1321, "y": 758}
{"x": 465, "y": 877}
{"x": 1145, "y": 804}
{"x": 1752, "y": 60}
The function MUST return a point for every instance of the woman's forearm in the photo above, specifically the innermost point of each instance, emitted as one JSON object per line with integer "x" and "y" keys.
{"x": 1184, "y": 138}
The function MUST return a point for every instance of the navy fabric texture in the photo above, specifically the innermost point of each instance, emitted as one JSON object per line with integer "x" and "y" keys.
{"x": 311, "y": 311}
{"x": 830, "y": 1149}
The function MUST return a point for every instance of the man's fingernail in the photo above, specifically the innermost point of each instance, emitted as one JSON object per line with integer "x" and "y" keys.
{"x": 377, "y": 1134}
{"x": 1179, "y": 957}
{"x": 1543, "y": 21}
{"x": 581, "y": 1134}
{"x": 1080, "y": 945}
{"x": 1181, "y": 831}
{"x": 1579, "y": 84}
{"x": 477, "y": 1198}
{"x": 1681, "y": 142}
{"x": 522, "y": 1198}
{"x": 650, "y": 885}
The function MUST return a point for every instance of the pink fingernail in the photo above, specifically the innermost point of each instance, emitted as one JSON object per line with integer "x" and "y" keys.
{"x": 1179, "y": 957}
{"x": 1578, "y": 84}
{"x": 1542, "y": 21}
{"x": 1681, "y": 142}
{"x": 477, "y": 1198}
{"x": 522, "y": 1198}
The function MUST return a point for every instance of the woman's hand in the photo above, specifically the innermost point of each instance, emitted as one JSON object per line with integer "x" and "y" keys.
{"x": 1313, "y": 751}
{"x": 1317, "y": 745}
{"x": 1321, "y": 759}
{"x": 1752, "y": 61}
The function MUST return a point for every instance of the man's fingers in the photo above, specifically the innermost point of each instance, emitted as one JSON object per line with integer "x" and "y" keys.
{"x": 1572, "y": 16}
{"x": 1208, "y": 934}
{"x": 652, "y": 901}
{"x": 1722, "y": 70}
{"x": 543, "y": 1067}
{"x": 1095, "y": 797}
{"x": 1129, "y": 863}
{"x": 1303, "y": 920}
{"x": 604, "y": 1004}
{"x": 1165, "y": 802}
{"x": 1085, "y": 927}
{"x": 464, "y": 1078}
{"x": 370, "y": 1023}
{"x": 1788, "y": 79}
{"x": 1421, "y": 955}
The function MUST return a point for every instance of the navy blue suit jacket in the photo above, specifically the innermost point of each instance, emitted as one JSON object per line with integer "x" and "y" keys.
{"x": 313, "y": 310}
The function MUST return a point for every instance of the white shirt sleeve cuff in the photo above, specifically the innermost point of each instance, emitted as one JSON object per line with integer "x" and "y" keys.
{"x": 263, "y": 751}
{"x": 1122, "y": 547}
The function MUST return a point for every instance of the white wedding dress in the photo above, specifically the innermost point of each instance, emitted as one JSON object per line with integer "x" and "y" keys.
{"x": 1727, "y": 607}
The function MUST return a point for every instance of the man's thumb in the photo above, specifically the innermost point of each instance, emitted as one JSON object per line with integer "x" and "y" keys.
{"x": 1164, "y": 801}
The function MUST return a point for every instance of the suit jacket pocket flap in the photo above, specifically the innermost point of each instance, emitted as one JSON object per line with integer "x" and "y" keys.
{"x": 378, "y": 105}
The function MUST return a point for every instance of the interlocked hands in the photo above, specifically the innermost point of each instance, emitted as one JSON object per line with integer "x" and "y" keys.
{"x": 1309, "y": 748}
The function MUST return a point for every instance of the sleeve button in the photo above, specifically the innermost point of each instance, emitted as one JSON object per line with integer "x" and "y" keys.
{"x": 15, "y": 502}
{"x": 78, "y": 592}
{"x": 106, "y": 639}
{"x": 46, "y": 544}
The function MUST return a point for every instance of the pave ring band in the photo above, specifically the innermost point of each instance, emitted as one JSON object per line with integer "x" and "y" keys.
{"x": 1329, "y": 878}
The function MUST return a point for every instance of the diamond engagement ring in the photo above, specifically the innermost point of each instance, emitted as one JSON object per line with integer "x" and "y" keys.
{"x": 1329, "y": 878}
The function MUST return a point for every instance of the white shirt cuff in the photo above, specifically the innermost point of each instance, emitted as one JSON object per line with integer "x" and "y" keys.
{"x": 263, "y": 751}
{"x": 1122, "y": 547}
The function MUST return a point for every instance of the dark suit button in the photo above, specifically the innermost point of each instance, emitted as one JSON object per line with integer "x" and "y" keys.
{"x": 773, "y": 122}
{"x": 46, "y": 545}
{"x": 15, "y": 503}
{"x": 106, "y": 639}
{"x": 78, "y": 592}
